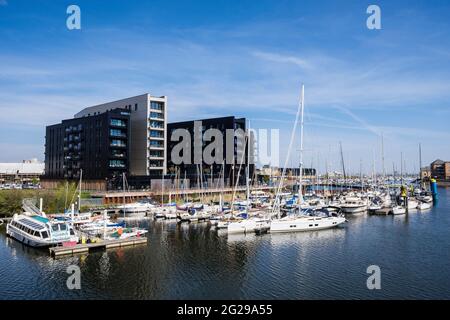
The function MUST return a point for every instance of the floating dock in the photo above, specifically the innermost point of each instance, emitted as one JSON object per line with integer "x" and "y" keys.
{"x": 85, "y": 248}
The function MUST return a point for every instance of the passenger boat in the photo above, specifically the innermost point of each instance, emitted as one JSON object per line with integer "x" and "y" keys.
{"x": 38, "y": 231}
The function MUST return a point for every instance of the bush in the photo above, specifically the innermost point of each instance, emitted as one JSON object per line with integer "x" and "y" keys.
{"x": 55, "y": 201}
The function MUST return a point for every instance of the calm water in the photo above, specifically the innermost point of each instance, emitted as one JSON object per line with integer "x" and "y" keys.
{"x": 196, "y": 262}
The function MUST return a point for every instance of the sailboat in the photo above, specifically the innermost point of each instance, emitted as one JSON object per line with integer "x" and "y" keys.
{"x": 298, "y": 222}
{"x": 138, "y": 209}
{"x": 251, "y": 224}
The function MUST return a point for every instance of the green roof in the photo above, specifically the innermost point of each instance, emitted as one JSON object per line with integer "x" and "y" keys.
{"x": 40, "y": 219}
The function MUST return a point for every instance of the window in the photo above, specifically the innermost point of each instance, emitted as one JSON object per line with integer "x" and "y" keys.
{"x": 135, "y": 106}
{"x": 156, "y": 105}
{"x": 44, "y": 234}
{"x": 117, "y": 164}
{"x": 156, "y": 124}
{"x": 156, "y": 144}
{"x": 117, "y": 133}
{"x": 117, "y": 143}
{"x": 118, "y": 153}
{"x": 62, "y": 227}
{"x": 156, "y": 115}
{"x": 118, "y": 123}
{"x": 55, "y": 227}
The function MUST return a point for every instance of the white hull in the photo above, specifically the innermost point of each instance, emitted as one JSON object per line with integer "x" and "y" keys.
{"x": 354, "y": 209}
{"x": 24, "y": 238}
{"x": 135, "y": 214}
{"x": 424, "y": 206}
{"x": 171, "y": 215}
{"x": 38, "y": 232}
{"x": 222, "y": 224}
{"x": 304, "y": 224}
{"x": 398, "y": 210}
{"x": 247, "y": 225}
{"x": 412, "y": 204}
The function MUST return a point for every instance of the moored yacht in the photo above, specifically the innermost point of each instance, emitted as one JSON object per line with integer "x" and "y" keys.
{"x": 304, "y": 223}
{"x": 397, "y": 210}
{"x": 136, "y": 209}
{"x": 353, "y": 205}
{"x": 424, "y": 206}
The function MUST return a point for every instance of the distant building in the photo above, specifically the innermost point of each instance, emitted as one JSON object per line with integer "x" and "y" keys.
{"x": 440, "y": 170}
{"x": 25, "y": 171}
{"x": 274, "y": 173}
{"x": 231, "y": 170}
{"x": 97, "y": 144}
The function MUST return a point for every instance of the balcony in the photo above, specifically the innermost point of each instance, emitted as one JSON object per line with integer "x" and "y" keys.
{"x": 118, "y": 155}
{"x": 117, "y": 164}
{"x": 118, "y": 144}
{"x": 118, "y": 123}
{"x": 157, "y": 106}
{"x": 117, "y": 133}
{"x": 156, "y": 116}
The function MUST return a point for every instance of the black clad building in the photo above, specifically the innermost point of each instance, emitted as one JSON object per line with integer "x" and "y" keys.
{"x": 229, "y": 173}
{"x": 97, "y": 144}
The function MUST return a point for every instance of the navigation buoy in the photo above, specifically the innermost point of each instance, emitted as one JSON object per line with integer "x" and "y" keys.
{"x": 434, "y": 191}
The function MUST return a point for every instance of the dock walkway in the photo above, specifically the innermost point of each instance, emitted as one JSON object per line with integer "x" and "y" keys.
{"x": 105, "y": 244}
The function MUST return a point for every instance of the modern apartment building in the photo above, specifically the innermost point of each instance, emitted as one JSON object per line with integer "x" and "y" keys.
{"x": 98, "y": 145}
{"x": 147, "y": 142}
{"x": 191, "y": 170}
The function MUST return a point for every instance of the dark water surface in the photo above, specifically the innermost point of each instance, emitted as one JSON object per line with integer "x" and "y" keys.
{"x": 197, "y": 262}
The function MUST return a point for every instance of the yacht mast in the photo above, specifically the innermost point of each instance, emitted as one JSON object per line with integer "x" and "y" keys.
{"x": 248, "y": 166}
{"x": 79, "y": 193}
{"x": 343, "y": 164}
{"x": 276, "y": 205}
{"x": 420, "y": 164}
{"x": 382, "y": 157}
{"x": 401, "y": 168}
{"x": 300, "y": 186}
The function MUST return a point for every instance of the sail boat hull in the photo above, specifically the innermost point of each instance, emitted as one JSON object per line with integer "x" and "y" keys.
{"x": 304, "y": 224}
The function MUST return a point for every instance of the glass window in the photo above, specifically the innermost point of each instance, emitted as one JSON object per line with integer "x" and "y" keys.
{"x": 156, "y": 105}
{"x": 44, "y": 234}
{"x": 117, "y": 164}
{"x": 117, "y": 143}
{"x": 62, "y": 227}
{"x": 118, "y": 123}
{"x": 116, "y": 133}
{"x": 55, "y": 227}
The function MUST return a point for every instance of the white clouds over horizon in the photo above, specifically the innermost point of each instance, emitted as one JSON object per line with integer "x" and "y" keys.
{"x": 357, "y": 89}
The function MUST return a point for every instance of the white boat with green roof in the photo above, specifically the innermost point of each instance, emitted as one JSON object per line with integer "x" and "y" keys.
{"x": 39, "y": 231}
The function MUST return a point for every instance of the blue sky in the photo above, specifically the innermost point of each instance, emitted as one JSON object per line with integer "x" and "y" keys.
{"x": 243, "y": 58}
